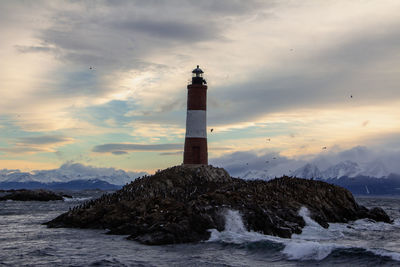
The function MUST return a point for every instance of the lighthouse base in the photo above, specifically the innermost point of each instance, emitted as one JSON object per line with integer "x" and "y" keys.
{"x": 195, "y": 151}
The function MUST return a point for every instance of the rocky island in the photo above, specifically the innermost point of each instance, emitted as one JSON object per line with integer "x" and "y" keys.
{"x": 180, "y": 204}
{"x": 30, "y": 195}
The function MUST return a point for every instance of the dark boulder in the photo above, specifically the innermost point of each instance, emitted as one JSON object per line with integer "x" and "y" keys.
{"x": 180, "y": 204}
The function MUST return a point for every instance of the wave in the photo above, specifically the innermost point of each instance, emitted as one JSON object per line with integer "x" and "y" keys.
{"x": 314, "y": 243}
{"x": 308, "y": 250}
{"x": 235, "y": 232}
{"x": 384, "y": 253}
{"x": 76, "y": 199}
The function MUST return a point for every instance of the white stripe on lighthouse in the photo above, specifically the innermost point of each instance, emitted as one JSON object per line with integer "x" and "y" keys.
{"x": 196, "y": 122}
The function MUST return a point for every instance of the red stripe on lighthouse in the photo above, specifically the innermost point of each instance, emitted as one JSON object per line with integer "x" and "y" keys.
{"x": 197, "y": 97}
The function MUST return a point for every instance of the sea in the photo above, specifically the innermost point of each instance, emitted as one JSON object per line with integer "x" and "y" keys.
{"x": 24, "y": 241}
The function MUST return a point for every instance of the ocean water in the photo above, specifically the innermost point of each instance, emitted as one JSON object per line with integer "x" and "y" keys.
{"x": 25, "y": 242}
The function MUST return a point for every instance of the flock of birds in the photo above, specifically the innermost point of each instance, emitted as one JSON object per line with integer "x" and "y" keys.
{"x": 269, "y": 140}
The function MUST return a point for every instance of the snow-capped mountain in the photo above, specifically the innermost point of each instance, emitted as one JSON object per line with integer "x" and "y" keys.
{"x": 376, "y": 169}
{"x": 308, "y": 171}
{"x": 70, "y": 172}
{"x": 259, "y": 174}
{"x": 15, "y": 176}
{"x": 344, "y": 168}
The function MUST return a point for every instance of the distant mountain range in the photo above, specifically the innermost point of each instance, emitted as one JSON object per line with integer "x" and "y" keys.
{"x": 376, "y": 169}
{"x": 69, "y": 172}
{"x": 71, "y": 176}
{"x": 346, "y": 168}
{"x": 372, "y": 178}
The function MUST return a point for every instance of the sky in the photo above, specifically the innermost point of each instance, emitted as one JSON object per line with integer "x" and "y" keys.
{"x": 103, "y": 83}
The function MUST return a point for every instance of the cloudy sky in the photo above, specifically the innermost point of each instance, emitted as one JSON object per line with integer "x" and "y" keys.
{"x": 103, "y": 83}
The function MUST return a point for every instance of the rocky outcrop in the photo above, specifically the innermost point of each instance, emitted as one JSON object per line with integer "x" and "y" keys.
{"x": 30, "y": 195}
{"x": 181, "y": 203}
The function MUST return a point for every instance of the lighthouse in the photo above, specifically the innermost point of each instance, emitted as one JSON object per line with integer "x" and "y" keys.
{"x": 196, "y": 121}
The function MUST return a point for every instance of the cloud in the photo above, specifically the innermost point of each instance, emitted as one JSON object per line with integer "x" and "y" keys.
{"x": 170, "y": 30}
{"x": 44, "y": 140}
{"x": 34, "y": 49}
{"x": 37, "y": 144}
{"x": 106, "y": 148}
{"x": 118, "y": 36}
{"x": 23, "y": 150}
{"x": 171, "y": 153}
{"x": 119, "y": 152}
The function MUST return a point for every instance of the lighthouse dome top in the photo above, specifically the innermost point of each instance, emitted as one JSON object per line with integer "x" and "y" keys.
{"x": 197, "y": 70}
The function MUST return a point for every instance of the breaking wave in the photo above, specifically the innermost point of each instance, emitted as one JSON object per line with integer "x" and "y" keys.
{"x": 315, "y": 243}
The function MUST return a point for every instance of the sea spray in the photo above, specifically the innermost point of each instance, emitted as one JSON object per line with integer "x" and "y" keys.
{"x": 314, "y": 231}
{"x": 235, "y": 231}
{"x": 307, "y": 250}
{"x": 234, "y": 222}
{"x": 306, "y": 246}
{"x": 314, "y": 243}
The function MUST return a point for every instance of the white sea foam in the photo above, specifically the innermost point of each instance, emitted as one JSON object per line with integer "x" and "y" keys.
{"x": 314, "y": 243}
{"x": 76, "y": 199}
{"x": 307, "y": 245}
{"x": 307, "y": 250}
{"x": 370, "y": 225}
{"x": 296, "y": 249}
{"x": 313, "y": 231}
{"x": 235, "y": 232}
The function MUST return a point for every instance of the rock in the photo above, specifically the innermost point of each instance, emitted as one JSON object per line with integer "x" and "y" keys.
{"x": 379, "y": 215}
{"x": 30, "y": 195}
{"x": 180, "y": 204}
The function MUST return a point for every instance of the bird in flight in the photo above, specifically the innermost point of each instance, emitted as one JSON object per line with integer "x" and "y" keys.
{"x": 324, "y": 147}
{"x": 269, "y": 139}
{"x": 351, "y": 96}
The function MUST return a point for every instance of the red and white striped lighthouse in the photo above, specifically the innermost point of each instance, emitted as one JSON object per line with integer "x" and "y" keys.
{"x": 196, "y": 121}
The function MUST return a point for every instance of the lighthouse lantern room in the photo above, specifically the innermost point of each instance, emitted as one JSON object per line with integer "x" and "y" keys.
{"x": 195, "y": 151}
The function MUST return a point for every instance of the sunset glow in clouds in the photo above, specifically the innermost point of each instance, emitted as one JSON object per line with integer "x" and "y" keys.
{"x": 103, "y": 83}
